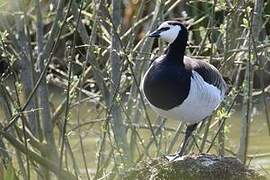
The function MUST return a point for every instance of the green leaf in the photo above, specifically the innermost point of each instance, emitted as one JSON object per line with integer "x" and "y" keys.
{"x": 245, "y": 23}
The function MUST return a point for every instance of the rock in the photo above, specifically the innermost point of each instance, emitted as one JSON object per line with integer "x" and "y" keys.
{"x": 193, "y": 167}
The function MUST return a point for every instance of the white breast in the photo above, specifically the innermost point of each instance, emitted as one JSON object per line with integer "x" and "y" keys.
{"x": 202, "y": 100}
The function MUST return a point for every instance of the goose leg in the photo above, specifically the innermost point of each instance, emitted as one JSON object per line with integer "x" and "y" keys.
{"x": 188, "y": 133}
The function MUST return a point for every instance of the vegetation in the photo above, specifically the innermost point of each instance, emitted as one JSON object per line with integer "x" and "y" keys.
{"x": 94, "y": 53}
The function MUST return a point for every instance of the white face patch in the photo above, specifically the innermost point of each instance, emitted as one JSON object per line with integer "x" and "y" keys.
{"x": 171, "y": 34}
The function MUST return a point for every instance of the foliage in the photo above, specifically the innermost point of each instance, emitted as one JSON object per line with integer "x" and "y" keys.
{"x": 96, "y": 52}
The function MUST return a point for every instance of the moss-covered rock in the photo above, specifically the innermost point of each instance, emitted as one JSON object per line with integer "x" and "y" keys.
{"x": 193, "y": 167}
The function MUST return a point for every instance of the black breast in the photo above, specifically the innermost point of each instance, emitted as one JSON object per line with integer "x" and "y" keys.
{"x": 166, "y": 85}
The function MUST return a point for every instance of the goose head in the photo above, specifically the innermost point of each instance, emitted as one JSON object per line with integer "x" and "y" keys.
{"x": 171, "y": 31}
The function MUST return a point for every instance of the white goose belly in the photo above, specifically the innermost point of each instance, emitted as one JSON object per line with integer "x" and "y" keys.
{"x": 202, "y": 100}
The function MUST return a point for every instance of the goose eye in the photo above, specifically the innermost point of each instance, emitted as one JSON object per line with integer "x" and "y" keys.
{"x": 163, "y": 29}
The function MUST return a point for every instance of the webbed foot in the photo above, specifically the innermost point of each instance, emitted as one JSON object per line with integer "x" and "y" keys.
{"x": 173, "y": 157}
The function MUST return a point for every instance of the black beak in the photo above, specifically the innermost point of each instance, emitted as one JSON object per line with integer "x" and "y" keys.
{"x": 154, "y": 34}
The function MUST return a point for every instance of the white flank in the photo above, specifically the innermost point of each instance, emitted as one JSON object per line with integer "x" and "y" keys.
{"x": 202, "y": 100}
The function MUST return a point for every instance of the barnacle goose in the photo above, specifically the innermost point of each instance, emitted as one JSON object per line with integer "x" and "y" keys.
{"x": 180, "y": 87}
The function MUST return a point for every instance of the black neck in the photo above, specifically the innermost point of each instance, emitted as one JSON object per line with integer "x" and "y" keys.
{"x": 176, "y": 51}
